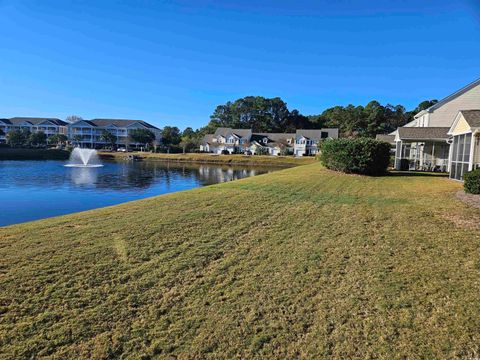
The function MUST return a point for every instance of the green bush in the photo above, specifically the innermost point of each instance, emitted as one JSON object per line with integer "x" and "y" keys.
{"x": 360, "y": 156}
{"x": 472, "y": 182}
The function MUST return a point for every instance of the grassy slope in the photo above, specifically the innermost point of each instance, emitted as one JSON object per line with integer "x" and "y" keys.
{"x": 302, "y": 262}
{"x": 217, "y": 159}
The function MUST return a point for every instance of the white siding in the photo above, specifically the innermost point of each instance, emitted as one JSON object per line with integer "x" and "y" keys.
{"x": 445, "y": 114}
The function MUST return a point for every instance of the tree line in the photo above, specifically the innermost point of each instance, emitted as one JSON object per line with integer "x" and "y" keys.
{"x": 272, "y": 115}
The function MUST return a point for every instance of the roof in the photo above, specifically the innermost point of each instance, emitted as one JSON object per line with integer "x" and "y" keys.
{"x": 450, "y": 97}
{"x": 423, "y": 133}
{"x": 472, "y": 117}
{"x": 119, "y": 122}
{"x": 313, "y": 134}
{"x": 207, "y": 139}
{"x": 276, "y": 137}
{"x": 387, "y": 138}
{"x": 36, "y": 121}
{"x": 223, "y": 131}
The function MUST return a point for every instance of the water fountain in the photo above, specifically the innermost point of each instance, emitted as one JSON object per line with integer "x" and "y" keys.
{"x": 84, "y": 158}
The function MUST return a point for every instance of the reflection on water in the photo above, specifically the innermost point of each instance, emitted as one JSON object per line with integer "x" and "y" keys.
{"x": 37, "y": 189}
{"x": 83, "y": 175}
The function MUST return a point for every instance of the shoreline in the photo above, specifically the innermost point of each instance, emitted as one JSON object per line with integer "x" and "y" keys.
{"x": 285, "y": 161}
{"x": 33, "y": 154}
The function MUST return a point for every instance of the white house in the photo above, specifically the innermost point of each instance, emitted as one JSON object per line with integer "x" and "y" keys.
{"x": 50, "y": 126}
{"x": 307, "y": 141}
{"x": 425, "y": 142}
{"x": 87, "y": 133}
{"x": 302, "y": 142}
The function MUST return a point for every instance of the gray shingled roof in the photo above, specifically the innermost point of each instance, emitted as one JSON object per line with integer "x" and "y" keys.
{"x": 387, "y": 138}
{"x": 207, "y": 139}
{"x": 36, "y": 121}
{"x": 223, "y": 131}
{"x": 119, "y": 122}
{"x": 312, "y": 134}
{"x": 276, "y": 137}
{"x": 472, "y": 117}
{"x": 423, "y": 133}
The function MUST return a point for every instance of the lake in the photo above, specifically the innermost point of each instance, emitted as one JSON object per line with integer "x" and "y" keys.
{"x": 31, "y": 190}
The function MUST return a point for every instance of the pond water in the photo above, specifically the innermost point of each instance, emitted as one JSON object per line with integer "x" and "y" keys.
{"x": 31, "y": 190}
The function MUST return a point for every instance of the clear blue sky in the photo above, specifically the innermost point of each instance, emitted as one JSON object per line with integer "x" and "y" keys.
{"x": 171, "y": 62}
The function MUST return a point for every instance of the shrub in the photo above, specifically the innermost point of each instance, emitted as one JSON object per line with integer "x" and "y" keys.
{"x": 360, "y": 156}
{"x": 472, "y": 182}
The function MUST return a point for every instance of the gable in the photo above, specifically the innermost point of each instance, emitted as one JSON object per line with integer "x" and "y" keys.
{"x": 136, "y": 125}
{"x": 82, "y": 123}
{"x": 47, "y": 122}
{"x": 461, "y": 126}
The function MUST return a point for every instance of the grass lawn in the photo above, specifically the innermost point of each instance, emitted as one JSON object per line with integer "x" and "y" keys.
{"x": 302, "y": 262}
{"x": 216, "y": 159}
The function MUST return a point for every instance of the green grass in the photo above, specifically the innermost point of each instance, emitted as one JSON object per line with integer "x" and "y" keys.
{"x": 216, "y": 159}
{"x": 302, "y": 262}
{"x": 33, "y": 154}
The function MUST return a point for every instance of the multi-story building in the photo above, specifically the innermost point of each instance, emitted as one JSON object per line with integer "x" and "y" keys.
{"x": 302, "y": 142}
{"x": 50, "y": 126}
{"x": 88, "y": 133}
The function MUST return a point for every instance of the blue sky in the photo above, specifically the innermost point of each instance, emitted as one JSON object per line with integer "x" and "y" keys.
{"x": 171, "y": 62}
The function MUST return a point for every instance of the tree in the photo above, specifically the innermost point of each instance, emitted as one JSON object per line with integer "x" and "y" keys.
{"x": 189, "y": 140}
{"x": 255, "y": 112}
{"x": 109, "y": 138}
{"x": 17, "y": 138}
{"x": 38, "y": 138}
{"x": 77, "y": 139}
{"x": 189, "y": 144}
{"x": 141, "y": 136}
{"x": 189, "y": 132}
{"x": 170, "y": 136}
{"x": 57, "y": 139}
{"x": 73, "y": 118}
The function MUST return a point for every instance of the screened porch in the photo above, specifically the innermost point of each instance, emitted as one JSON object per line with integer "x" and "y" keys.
{"x": 422, "y": 149}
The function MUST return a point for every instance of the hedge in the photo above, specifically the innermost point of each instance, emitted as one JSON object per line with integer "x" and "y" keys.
{"x": 360, "y": 156}
{"x": 472, "y": 182}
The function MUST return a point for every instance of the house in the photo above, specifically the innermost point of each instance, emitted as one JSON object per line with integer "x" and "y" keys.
{"x": 206, "y": 143}
{"x": 426, "y": 142}
{"x": 233, "y": 141}
{"x": 87, "y": 133}
{"x": 272, "y": 143}
{"x": 237, "y": 141}
{"x": 50, "y": 126}
{"x": 307, "y": 141}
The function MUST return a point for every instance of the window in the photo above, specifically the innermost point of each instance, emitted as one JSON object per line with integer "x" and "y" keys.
{"x": 324, "y": 135}
{"x": 460, "y": 156}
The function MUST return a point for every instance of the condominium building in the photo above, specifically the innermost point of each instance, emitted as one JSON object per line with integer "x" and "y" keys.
{"x": 50, "y": 126}
{"x": 88, "y": 133}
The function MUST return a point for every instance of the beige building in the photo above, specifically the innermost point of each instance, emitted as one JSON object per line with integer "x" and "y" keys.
{"x": 443, "y": 137}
